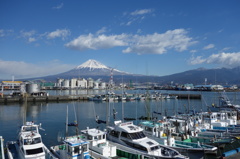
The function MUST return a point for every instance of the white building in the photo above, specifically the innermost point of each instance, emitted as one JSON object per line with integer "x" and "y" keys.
{"x": 96, "y": 85}
{"x": 82, "y": 83}
{"x": 59, "y": 82}
{"x": 102, "y": 85}
{"x": 66, "y": 83}
{"x": 73, "y": 83}
{"x": 90, "y": 83}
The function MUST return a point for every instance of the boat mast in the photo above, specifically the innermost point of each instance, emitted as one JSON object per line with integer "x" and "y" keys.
{"x": 122, "y": 102}
{"x": 67, "y": 122}
{"x": 76, "y": 121}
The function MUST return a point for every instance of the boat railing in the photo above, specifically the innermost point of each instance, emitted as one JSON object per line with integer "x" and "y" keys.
{"x": 48, "y": 154}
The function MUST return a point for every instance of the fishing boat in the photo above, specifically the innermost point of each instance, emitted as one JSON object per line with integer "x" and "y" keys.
{"x": 161, "y": 132}
{"x": 29, "y": 144}
{"x": 98, "y": 98}
{"x": 140, "y": 97}
{"x": 131, "y": 137}
{"x": 73, "y": 147}
{"x": 99, "y": 146}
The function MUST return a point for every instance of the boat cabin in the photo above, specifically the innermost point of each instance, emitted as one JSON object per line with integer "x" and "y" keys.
{"x": 98, "y": 142}
{"x": 76, "y": 147}
{"x": 132, "y": 136}
{"x": 95, "y": 136}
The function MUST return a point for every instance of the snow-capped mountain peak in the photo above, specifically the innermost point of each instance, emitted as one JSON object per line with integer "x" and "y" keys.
{"x": 92, "y": 64}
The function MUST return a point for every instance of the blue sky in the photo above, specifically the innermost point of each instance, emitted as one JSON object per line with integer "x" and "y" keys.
{"x": 156, "y": 37}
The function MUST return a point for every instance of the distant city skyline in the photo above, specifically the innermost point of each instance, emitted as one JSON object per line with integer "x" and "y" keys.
{"x": 40, "y": 38}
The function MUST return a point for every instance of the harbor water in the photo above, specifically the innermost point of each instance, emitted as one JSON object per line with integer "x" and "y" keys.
{"x": 52, "y": 115}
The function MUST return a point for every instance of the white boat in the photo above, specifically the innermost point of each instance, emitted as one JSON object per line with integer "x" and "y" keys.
{"x": 99, "y": 146}
{"x": 132, "y": 138}
{"x": 29, "y": 144}
{"x": 98, "y": 98}
{"x": 73, "y": 147}
{"x": 160, "y": 131}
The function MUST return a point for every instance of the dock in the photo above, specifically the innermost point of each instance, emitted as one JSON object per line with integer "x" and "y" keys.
{"x": 19, "y": 99}
{"x": 61, "y": 98}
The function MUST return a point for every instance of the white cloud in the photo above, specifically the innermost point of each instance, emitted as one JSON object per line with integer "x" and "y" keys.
{"x": 30, "y": 36}
{"x": 27, "y": 34}
{"x": 146, "y": 44}
{"x": 90, "y": 41}
{"x": 224, "y": 59}
{"x": 210, "y": 46}
{"x": 136, "y": 16}
{"x": 141, "y": 12}
{"x": 59, "y": 6}
{"x": 59, "y": 33}
{"x": 18, "y": 69}
{"x": 139, "y": 31}
{"x": 160, "y": 43}
{"x": 31, "y": 39}
{"x": 2, "y": 33}
{"x": 197, "y": 60}
{"x": 193, "y": 51}
{"x": 102, "y": 30}
{"x": 220, "y": 31}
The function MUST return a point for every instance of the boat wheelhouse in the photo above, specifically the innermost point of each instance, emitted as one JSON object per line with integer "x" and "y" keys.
{"x": 99, "y": 146}
{"x": 73, "y": 147}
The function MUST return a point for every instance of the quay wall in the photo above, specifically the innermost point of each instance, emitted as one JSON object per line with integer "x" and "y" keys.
{"x": 42, "y": 99}
{"x": 59, "y": 98}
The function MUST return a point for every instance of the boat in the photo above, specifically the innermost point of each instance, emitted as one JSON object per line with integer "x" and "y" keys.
{"x": 99, "y": 146}
{"x": 29, "y": 144}
{"x": 73, "y": 124}
{"x": 161, "y": 132}
{"x": 2, "y": 156}
{"x": 140, "y": 97}
{"x": 73, "y": 147}
{"x": 131, "y": 137}
{"x": 98, "y": 98}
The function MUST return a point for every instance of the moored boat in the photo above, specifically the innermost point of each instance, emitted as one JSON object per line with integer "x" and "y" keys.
{"x": 99, "y": 146}
{"x": 131, "y": 137}
{"x": 73, "y": 147}
{"x": 29, "y": 144}
{"x": 161, "y": 132}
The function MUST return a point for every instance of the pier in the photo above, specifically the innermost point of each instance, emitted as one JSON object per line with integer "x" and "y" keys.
{"x": 58, "y": 98}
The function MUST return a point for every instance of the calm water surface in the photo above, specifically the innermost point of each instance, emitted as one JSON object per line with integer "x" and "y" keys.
{"x": 53, "y": 115}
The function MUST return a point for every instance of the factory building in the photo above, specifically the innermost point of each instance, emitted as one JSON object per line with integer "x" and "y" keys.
{"x": 79, "y": 83}
{"x": 90, "y": 83}
{"x": 11, "y": 84}
{"x": 73, "y": 83}
{"x": 82, "y": 83}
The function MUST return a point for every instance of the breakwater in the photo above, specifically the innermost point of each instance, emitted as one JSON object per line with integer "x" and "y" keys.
{"x": 59, "y": 98}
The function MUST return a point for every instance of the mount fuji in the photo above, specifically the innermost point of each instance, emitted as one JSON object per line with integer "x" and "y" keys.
{"x": 92, "y": 68}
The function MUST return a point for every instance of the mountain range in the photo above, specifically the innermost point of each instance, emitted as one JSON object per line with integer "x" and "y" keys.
{"x": 96, "y": 70}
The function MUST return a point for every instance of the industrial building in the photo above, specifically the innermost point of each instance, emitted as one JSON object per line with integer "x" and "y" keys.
{"x": 11, "y": 84}
{"x": 80, "y": 83}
